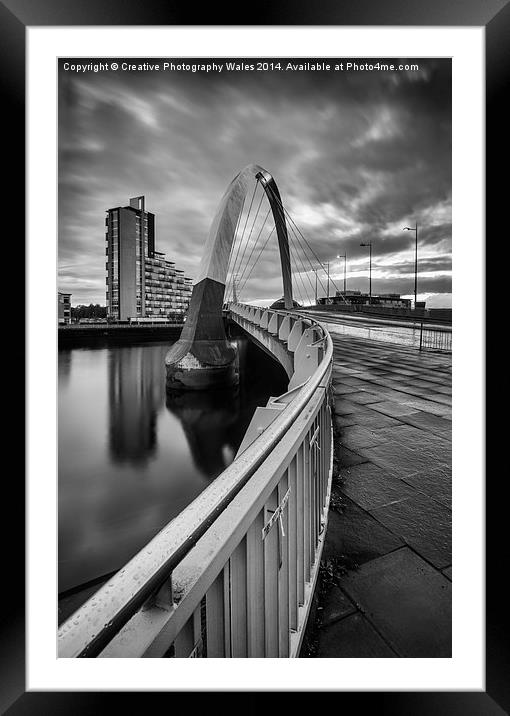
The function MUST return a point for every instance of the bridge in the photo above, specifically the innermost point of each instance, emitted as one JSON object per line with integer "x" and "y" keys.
{"x": 232, "y": 575}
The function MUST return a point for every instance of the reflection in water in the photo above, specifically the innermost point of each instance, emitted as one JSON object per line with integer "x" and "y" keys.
{"x": 130, "y": 457}
{"x": 136, "y": 389}
{"x": 65, "y": 362}
{"x": 210, "y": 421}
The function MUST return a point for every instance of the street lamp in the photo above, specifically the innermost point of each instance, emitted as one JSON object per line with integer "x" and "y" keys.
{"x": 369, "y": 244}
{"x": 344, "y": 257}
{"x": 327, "y": 297}
{"x": 408, "y": 228}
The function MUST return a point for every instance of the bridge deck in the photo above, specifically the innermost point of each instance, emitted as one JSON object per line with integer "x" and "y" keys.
{"x": 389, "y": 535}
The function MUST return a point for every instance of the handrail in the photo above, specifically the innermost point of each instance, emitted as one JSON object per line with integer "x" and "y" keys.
{"x": 86, "y": 632}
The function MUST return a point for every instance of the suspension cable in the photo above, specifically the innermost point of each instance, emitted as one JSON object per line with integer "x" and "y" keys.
{"x": 254, "y": 245}
{"x": 250, "y": 234}
{"x": 258, "y": 257}
{"x": 304, "y": 239}
{"x": 305, "y": 272}
{"x": 299, "y": 273}
{"x": 244, "y": 230}
{"x": 291, "y": 226}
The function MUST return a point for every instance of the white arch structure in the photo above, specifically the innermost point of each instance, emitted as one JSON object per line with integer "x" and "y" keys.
{"x": 202, "y": 357}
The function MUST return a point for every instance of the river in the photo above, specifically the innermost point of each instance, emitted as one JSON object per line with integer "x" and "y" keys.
{"x": 132, "y": 457}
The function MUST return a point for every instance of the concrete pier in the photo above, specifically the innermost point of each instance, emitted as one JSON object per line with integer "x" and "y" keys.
{"x": 387, "y": 568}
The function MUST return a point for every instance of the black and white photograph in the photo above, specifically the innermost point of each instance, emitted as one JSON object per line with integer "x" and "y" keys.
{"x": 247, "y": 432}
{"x": 254, "y": 312}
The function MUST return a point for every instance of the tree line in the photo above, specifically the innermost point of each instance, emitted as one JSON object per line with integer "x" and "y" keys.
{"x": 93, "y": 310}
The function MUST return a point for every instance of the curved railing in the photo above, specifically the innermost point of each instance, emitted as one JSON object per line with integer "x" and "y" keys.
{"x": 233, "y": 574}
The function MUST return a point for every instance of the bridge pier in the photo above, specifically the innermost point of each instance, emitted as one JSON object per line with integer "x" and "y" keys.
{"x": 202, "y": 357}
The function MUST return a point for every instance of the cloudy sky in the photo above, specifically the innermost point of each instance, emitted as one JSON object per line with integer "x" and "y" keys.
{"x": 356, "y": 155}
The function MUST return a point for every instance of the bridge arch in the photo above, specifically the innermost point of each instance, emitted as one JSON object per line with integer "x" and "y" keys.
{"x": 202, "y": 356}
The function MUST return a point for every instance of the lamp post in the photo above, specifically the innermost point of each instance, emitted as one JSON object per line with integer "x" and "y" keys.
{"x": 327, "y": 297}
{"x": 369, "y": 244}
{"x": 408, "y": 228}
{"x": 344, "y": 257}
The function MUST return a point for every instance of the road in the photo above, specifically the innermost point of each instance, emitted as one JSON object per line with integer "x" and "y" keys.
{"x": 402, "y": 332}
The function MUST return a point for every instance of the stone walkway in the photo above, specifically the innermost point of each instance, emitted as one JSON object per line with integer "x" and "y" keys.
{"x": 388, "y": 544}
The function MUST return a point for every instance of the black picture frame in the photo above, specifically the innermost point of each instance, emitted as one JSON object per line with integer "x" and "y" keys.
{"x": 15, "y": 17}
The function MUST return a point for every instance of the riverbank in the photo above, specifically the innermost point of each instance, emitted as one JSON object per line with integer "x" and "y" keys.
{"x": 385, "y": 588}
{"x": 115, "y": 334}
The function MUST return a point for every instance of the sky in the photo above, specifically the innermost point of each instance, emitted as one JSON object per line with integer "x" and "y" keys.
{"x": 356, "y": 155}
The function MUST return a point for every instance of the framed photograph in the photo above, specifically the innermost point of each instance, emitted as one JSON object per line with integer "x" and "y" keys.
{"x": 317, "y": 182}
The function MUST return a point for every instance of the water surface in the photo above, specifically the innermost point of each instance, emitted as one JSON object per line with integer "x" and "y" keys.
{"x": 132, "y": 457}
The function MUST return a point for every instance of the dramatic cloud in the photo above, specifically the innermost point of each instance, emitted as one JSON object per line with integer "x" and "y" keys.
{"x": 357, "y": 156}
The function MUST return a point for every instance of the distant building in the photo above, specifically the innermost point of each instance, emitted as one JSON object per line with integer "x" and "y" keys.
{"x": 64, "y": 307}
{"x": 357, "y": 298}
{"x": 140, "y": 282}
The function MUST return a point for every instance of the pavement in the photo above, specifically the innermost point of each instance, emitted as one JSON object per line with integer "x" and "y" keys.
{"x": 386, "y": 577}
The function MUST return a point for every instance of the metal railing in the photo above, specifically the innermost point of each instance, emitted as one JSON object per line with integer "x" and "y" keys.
{"x": 233, "y": 574}
{"x": 436, "y": 339}
{"x": 415, "y": 335}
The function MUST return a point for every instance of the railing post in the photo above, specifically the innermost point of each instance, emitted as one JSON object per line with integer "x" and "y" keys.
{"x": 283, "y": 572}
{"x": 421, "y": 334}
{"x": 215, "y": 619}
{"x": 293, "y": 551}
{"x": 271, "y": 581}
{"x": 255, "y": 588}
{"x": 307, "y": 522}
{"x": 227, "y": 610}
{"x": 300, "y": 527}
{"x": 238, "y": 601}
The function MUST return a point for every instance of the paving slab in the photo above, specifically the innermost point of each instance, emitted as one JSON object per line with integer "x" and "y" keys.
{"x": 356, "y": 436}
{"x": 440, "y": 398}
{"x": 353, "y": 381}
{"x": 392, "y": 408}
{"x": 339, "y": 369}
{"x": 445, "y": 389}
{"x": 403, "y": 434}
{"x": 348, "y": 457}
{"x": 345, "y": 420}
{"x": 398, "y": 459}
{"x": 357, "y": 536}
{"x": 424, "y": 524}
{"x": 421, "y": 383}
{"x": 370, "y": 487}
{"x": 428, "y": 421}
{"x": 373, "y": 419}
{"x": 341, "y": 389}
{"x": 434, "y": 378}
{"x": 431, "y": 407}
{"x": 353, "y": 638}
{"x": 346, "y": 407}
{"x": 336, "y": 606}
{"x": 408, "y": 600}
{"x": 436, "y": 483}
{"x": 364, "y": 396}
